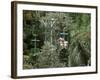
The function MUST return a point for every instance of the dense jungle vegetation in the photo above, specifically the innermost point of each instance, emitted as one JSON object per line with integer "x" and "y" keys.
{"x": 56, "y": 39}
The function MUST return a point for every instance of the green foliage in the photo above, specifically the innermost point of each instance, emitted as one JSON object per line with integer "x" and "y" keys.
{"x": 26, "y": 64}
{"x": 79, "y": 47}
{"x": 49, "y": 57}
{"x": 46, "y": 26}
